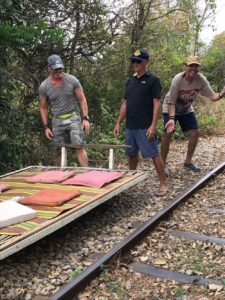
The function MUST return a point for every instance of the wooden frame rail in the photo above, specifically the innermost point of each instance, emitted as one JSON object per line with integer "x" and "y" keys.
{"x": 109, "y": 147}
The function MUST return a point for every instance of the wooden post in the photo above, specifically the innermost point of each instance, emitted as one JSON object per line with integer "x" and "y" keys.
{"x": 63, "y": 157}
{"x": 111, "y": 149}
{"x": 111, "y": 159}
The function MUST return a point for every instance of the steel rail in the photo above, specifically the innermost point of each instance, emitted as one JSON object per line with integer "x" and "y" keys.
{"x": 70, "y": 290}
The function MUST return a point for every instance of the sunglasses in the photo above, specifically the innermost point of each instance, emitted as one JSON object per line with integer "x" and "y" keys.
{"x": 194, "y": 65}
{"x": 135, "y": 61}
{"x": 57, "y": 70}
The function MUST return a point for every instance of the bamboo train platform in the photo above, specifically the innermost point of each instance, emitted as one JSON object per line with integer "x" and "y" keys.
{"x": 18, "y": 236}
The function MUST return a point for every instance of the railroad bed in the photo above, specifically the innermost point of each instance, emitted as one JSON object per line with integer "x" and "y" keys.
{"x": 181, "y": 258}
{"x": 42, "y": 268}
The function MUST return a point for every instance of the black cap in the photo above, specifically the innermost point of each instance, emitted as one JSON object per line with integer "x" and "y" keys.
{"x": 140, "y": 55}
{"x": 55, "y": 61}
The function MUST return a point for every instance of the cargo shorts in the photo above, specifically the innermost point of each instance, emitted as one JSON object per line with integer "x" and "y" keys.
{"x": 68, "y": 131}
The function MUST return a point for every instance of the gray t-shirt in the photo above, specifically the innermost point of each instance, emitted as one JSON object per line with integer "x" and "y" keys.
{"x": 61, "y": 98}
{"x": 182, "y": 93}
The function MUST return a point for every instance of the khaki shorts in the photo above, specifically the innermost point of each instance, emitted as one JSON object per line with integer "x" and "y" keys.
{"x": 68, "y": 131}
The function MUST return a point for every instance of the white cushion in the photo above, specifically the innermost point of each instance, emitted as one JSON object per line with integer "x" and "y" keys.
{"x": 12, "y": 212}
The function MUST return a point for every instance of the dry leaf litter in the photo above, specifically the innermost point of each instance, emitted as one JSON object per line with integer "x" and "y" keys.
{"x": 41, "y": 269}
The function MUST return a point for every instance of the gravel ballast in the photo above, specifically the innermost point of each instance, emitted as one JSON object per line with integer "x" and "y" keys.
{"x": 41, "y": 269}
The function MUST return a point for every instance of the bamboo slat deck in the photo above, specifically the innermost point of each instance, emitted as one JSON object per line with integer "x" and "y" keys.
{"x": 90, "y": 198}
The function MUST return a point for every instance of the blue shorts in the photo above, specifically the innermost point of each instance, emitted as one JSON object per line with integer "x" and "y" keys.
{"x": 139, "y": 142}
{"x": 186, "y": 121}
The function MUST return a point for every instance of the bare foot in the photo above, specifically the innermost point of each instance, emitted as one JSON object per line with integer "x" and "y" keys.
{"x": 163, "y": 189}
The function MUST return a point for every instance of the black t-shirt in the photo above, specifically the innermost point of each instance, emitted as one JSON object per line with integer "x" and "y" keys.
{"x": 139, "y": 94}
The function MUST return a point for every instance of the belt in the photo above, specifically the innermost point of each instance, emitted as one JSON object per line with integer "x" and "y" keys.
{"x": 65, "y": 116}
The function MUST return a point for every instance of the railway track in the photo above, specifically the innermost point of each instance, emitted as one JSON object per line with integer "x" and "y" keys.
{"x": 41, "y": 269}
{"x": 159, "y": 239}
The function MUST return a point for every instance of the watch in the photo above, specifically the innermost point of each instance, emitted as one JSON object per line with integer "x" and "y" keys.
{"x": 86, "y": 118}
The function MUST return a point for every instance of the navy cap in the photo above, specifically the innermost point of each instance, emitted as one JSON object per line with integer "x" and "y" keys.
{"x": 55, "y": 61}
{"x": 140, "y": 55}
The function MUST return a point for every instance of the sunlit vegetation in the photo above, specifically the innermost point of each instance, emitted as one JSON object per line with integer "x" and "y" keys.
{"x": 95, "y": 39}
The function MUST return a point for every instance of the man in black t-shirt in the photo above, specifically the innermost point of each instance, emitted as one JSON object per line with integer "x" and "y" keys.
{"x": 141, "y": 108}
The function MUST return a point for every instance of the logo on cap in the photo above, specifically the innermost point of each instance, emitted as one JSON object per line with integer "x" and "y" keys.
{"x": 140, "y": 55}
{"x": 137, "y": 52}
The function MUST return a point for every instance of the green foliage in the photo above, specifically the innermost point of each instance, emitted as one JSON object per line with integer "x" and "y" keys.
{"x": 19, "y": 137}
{"x": 207, "y": 123}
{"x": 178, "y": 134}
{"x": 212, "y": 4}
{"x": 22, "y": 36}
{"x": 102, "y": 130}
{"x": 104, "y": 272}
{"x": 213, "y": 62}
{"x": 179, "y": 292}
{"x": 117, "y": 288}
{"x": 95, "y": 43}
{"x": 223, "y": 281}
{"x": 19, "y": 122}
{"x": 198, "y": 267}
{"x": 76, "y": 272}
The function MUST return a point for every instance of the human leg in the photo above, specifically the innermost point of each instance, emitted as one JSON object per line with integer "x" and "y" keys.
{"x": 59, "y": 137}
{"x": 82, "y": 157}
{"x": 189, "y": 123}
{"x": 131, "y": 152}
{"x": 165, "y": 146}
{"x": 165, "y": 143}
{"x": 133, "y": 162}
{"x": 149, "y": 149}
{"x": 158, "y": 163}
{"x": 192, "y": 143}
{"x": 77, "y": 137}
{"x": 57, "y": 159}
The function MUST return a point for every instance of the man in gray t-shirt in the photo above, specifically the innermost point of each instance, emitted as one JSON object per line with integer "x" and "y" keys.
{"x": 62, "y": 92}
{"x": 177, "y": 106}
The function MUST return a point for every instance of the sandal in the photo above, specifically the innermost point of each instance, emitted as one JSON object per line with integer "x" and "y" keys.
{"x": 191, "y": 167}
{"x": 162, "y": 193}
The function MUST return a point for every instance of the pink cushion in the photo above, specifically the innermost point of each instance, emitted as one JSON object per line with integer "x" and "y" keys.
{"x": 94, "y": 178}
{"x": 50, "y": 177}
{"x": 4, "y": 187}
{"x": 50, "y": 197}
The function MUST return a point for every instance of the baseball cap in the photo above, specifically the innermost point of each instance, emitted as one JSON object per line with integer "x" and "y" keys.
{"x": 193, "y": 59}
{"x": 55, "y": 61}
{"x": 140, "y": 55}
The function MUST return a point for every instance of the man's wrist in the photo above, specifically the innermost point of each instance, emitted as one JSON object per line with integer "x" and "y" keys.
{"x": 172, "y": 117}
{"x": 45, "y": 126}
{"x": 86, "y": 118}
{"x": 221, "y": 95}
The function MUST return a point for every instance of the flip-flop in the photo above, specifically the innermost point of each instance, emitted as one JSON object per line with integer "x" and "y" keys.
{"x": 191, "y": 167}
{"x": 162, "y": 193}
